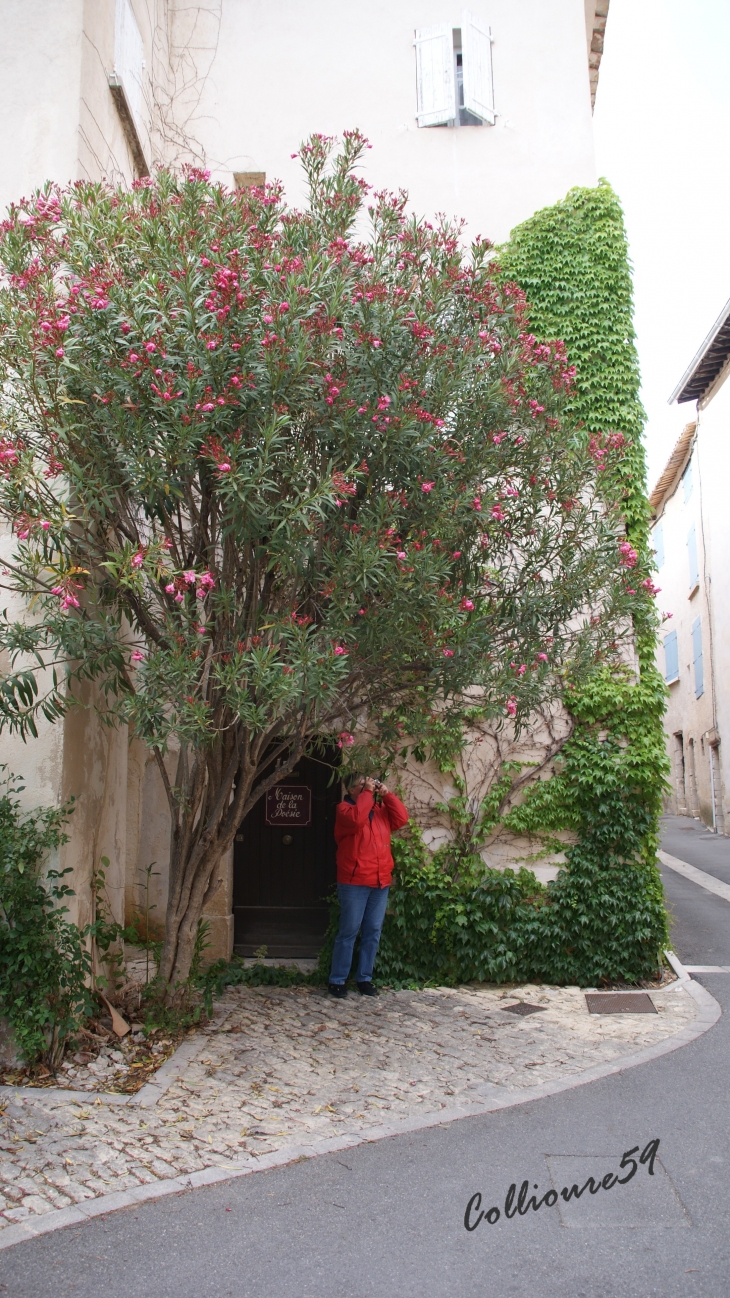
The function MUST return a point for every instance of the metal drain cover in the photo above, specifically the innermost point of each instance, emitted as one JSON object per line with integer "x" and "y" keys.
{"x": 620, "y": 1003}
{"x": 523, "y": 1008}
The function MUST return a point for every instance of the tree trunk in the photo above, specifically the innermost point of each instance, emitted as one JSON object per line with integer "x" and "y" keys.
{"x": 205, "y": 813}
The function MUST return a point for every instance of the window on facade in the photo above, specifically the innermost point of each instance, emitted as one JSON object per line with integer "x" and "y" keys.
{"x": 697, "y": 658}
{"x": 694, "y": 569}
{"x": 687, "y": 482}
{"x": 671, "y": 657}
{"x": 129, "y": 56}
{"x": 658, "y": 540}
{"x": 454, "y": 74}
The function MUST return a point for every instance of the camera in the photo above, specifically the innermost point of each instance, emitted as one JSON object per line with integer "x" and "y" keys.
{"x": 378, "y": 785}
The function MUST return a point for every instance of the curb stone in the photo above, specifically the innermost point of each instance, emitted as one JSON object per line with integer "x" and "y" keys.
{"x": 491, "y": 1101}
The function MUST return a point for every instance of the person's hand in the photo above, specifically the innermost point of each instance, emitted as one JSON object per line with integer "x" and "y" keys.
{"x": 382, "y": 789}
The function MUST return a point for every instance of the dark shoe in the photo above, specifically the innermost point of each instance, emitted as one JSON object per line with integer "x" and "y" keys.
{"x": 337, "y": 989}
{"x": 367, "y": 989}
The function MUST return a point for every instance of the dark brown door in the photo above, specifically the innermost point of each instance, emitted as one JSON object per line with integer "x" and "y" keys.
{"x": 282, "y": 872}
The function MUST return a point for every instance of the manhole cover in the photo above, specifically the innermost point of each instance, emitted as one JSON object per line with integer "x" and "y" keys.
{"x": 620, "y": 1003}
{"x": 523, "y": 1008}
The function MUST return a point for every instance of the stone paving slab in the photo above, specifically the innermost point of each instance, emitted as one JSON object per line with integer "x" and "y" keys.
{"x": 286, "y": 1069}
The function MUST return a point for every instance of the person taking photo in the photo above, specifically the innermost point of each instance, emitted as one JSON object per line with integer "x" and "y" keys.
{"x": 364, "y": 822}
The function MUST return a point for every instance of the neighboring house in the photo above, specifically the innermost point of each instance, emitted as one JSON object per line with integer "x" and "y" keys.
{"x": 483, "y": 112}
{"x": 692, "y": 544}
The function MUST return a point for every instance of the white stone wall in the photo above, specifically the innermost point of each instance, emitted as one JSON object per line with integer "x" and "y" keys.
{"x": 695, "y": 726}
{"x": 286, "y": 69}
{"x": 237, "y": 85}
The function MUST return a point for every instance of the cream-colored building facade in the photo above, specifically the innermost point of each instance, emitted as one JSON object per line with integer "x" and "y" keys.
{"x": 692, "y": 543}
{"x": 484, "y": 113}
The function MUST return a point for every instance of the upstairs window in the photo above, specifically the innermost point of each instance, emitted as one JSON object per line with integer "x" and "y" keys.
{"x": 671, "y": 657}
{"x": 454, "y": 74}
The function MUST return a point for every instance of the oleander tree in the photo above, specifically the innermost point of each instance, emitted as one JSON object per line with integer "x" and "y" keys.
{"x": 273, "y": 476}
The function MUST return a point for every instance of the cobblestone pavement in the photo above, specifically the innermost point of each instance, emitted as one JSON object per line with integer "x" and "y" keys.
{"x": 287, "y": 1067}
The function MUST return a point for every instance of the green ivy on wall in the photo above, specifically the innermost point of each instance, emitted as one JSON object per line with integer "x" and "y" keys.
{"x": 603, "y": 919}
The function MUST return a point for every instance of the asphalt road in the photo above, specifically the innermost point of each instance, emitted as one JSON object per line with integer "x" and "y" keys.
{"x": 387, "y": 1219}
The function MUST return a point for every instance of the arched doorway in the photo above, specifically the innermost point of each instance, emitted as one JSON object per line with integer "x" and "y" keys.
{"x": 284, "y": 864}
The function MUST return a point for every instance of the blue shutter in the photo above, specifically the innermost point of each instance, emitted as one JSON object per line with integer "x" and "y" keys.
{"x": 697, "y": 657}
{"x": 694, "y": 571}
{"x": 658, "y": 539}
{"x": 671, "y": 657}
{"x": 687, "y": 482}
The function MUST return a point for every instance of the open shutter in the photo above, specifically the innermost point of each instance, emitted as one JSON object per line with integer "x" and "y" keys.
{"x": 671, "y": 657}
{"x": 129, "y": 56}
{"x": 435, "y": 75}
{"x": 697, "y": 657}
{"x": 694, "y": 568}
{"x": 476, "y": 57}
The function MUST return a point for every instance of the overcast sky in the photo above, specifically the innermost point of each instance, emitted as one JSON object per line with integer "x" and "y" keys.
{"x": 662, "y": 125}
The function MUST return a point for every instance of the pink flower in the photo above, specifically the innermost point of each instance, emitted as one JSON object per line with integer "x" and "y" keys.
{"x": 361, "y": 612}
{"x": 23, "y": 536}
{"x": 448, "y": 653}
{"x": 476, "y": 502}
{"x": 456, "y": 554}
{"x": 511, "y": 706}
{"x": 427, "y": 486}
{"x": 133, "y": 356}
{"x": 340, "y": 649}
{"x": 170, "y": 588}
{"x": 150, "y": 348}
{"x": 268, "y": 319}
{"x": 211, "y": 346}
{"x": 377, "y": 342}
{"x": 45, "y": 524}
{"x": 224, "y": 467}
{"x": 497, "y": 513}
{"x": 542, "y": 658}
{"x": 283, "y": 307}
{"x": 207, "y": 579}
{"x": 200, "y": 629}
{"x": 467, "y": 605}
{"x": 189, "y": 577}
{"x": 138, "y": 559}
{"x": 200, "y": 593}
{"x": 345, "y": 739}
{"x": 137, "y": 657}
{"x": 179, "y": 597}
{"x": 60, "y": 351}
{"x": 124, "y": 327}
{"x": 401, "y": 554}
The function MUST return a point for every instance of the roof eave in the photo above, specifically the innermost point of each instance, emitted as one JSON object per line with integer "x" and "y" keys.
{"x": 708, "y": 362}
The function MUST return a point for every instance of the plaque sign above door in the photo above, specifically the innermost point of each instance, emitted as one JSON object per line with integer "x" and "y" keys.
{"x": 289, "y": 804}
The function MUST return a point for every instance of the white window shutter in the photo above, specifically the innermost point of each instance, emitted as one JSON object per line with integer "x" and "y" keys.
{"x": 476, "y": 57}
{"x": 435, "y": 75}
{"x": 129, "y": 56}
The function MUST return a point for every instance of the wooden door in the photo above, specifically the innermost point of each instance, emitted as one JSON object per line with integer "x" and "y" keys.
{"x": 284, "y": 864}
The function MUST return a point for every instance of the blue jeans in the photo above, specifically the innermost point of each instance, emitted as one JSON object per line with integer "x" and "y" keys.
{"x": 362, "y": 910}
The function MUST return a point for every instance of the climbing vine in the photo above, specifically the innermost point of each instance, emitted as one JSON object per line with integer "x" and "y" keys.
{"x": 603, "y": 919}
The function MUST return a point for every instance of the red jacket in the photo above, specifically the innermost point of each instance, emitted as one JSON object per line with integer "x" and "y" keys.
{"x": 363, "y": 840}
